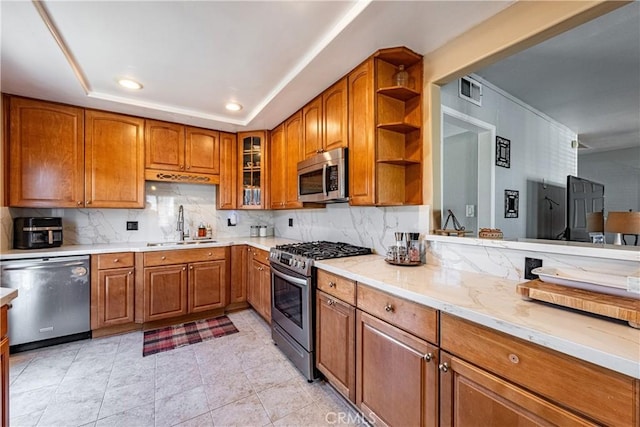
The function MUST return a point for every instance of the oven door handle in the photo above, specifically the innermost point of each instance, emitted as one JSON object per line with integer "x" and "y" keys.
{"x": 294, "y": 280}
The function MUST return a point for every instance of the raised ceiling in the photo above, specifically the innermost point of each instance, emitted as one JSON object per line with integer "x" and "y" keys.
{"x": 193, "y": 57}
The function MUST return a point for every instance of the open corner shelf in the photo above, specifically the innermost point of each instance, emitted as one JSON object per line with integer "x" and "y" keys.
{"x": 399, "y": 162}
{"x": 399, "y": 127}
{"x": 399, "y": 92}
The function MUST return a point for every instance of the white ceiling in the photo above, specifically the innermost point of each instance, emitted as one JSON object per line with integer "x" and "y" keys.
{"x": 193, "y": 57}
{"x": 587, "y": 79}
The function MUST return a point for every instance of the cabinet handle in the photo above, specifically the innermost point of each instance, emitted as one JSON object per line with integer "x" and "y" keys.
{"x": 330, "y": 302}
{"x": 209, "y": 254}
{"x": 181, "y": 167}
{"x": 513, "y": 358}
{"x": 188, "y": 167}
{"x": 444, "y": 367}
{"x": 88, "y": 202}
{"x": 389, "y": 308}
{"x": 191, "y": 267}
{"x": 427, "y": 357}
{"x": 248, "y": 249}
{"x": 130, "y": 273}
{"x": 184, "y": 268}
{"x": 163, "y": 258}
{"x": 116, "y": 260}
{"x": 332, "y": 284}
{"x": 79, "y": 203}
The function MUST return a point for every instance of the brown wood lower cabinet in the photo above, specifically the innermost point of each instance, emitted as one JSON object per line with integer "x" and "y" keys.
{"x": 4, "y": 368}
{"x": 397, "y": 375}
{"x": 335, "y": 343}
{"x": 112, "y": 290}
{"x": 259, "y": 283}
{"x": 238, "y": 279}
{"x": 180, "y": 282}
{"x": 470, "y": 396}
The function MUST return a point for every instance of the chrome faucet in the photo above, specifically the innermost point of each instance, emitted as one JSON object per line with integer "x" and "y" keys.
{"x": 180, "y": 225}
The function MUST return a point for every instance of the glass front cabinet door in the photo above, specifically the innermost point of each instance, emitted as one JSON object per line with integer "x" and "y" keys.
{"x": 251, "y": 194}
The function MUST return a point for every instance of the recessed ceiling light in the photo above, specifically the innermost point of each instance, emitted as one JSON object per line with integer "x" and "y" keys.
{"x": 129, "y": 84}
{"x": 233, "y": 106}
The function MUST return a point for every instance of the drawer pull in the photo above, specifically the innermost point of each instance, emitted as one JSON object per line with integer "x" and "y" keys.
{"x": 163, "y": 258}
{"x": 79, "y": 203}
{"x": 209, "y": 254}
{"x": 330, "y": 302}
{"x": 444, "y": 367}
{"x": 514, "y": 358}
{"x": 191, "y": 267}
{"x": 184, "y": 268}
{"x": 332, "y": 284}
{"x": 116, "y": 260}
{"x": 130, "y": 273}
{"x": 389, "y": 308}
{"x": 427, "y": 357}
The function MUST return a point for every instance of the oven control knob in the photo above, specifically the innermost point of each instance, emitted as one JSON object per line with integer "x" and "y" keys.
{"x": 303, "y": 265}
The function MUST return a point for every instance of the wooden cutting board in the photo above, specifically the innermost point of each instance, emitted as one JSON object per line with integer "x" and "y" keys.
{"x": 621, "y": 308}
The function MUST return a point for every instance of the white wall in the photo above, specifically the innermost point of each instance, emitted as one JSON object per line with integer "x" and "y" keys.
{"x": 540, "y": 147}
{"x": 460, "y": 183}
{"x": 619, "y": 172}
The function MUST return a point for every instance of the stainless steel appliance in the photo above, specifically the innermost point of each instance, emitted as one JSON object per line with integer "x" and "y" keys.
{"x": 53, "y": 303}
{"x": 323, "y": 177}
{"x": 37, "y": 233}
{"x": 293, "y": 297}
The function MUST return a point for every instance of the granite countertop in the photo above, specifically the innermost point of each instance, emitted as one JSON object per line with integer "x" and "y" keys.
{"x": 493, "y": 302}
{"x": 7, "y": 295}
{"x": 264, "y": 243}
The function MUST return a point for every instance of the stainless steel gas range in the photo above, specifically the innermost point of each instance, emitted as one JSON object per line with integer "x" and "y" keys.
{"x": 293, "y": 284}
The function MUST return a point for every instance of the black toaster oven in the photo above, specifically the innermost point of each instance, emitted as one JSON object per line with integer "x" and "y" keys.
{"x": 37, "y": 233}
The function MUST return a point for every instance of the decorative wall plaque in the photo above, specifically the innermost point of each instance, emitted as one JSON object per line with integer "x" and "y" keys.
{"x": 511, "y": 199}
{"x": 503, "y": 152}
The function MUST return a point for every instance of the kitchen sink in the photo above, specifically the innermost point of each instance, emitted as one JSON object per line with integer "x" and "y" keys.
{"x": 182, "y": 242}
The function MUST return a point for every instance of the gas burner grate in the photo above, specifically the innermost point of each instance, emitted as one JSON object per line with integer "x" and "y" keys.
{"x": 324, "y": 250}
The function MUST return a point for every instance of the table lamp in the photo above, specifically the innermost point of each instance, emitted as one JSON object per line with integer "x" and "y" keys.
{"x": 622, "y": 223}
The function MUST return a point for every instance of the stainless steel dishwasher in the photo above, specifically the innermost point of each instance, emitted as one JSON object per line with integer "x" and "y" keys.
{"x": 53, "y": 303}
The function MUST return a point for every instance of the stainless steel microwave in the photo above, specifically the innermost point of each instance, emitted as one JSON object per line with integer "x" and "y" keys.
{"x": 323, "y": 177}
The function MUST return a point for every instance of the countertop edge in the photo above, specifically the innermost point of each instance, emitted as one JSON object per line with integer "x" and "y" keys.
{"x": 575, "y": 349}
{"x": 7, "y": 295}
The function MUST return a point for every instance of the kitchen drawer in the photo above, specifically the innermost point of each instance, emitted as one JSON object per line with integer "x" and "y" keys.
{"x": 601, "y": 394}
{"x": 3, "y": 321}
{"x": 183, "y": 256}
{"x": 337, "y": 286}
{"x": 259, "y": 255}
{"x": 116, "y": 260}
{"x": 415, "y": 318}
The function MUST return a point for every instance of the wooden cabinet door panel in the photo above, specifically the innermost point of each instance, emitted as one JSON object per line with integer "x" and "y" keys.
{"x": 253, "y": 284}
{"x": 312, "y": 128}
{"x": 46, "y": 152}
{"x": 4, "y": 380}
{"x": 335, "y": 112}
{"x": 206, "y": 285}
{"x": 228, "y": 171}
{"x": 165, "y": 293}
{"x": 470, "y": 396}
{"x": 239, "y": 270}
{"x": 265, "y": 292}
{"x": 361, "y": 136}
{"x": 278, "y": 192}
{"x": 164, "y": 145}
{"x": 202, "y": 151}
{"x": 293, "y": 131}
{"x": 335, "y": 343}
{"x": 116, "y": 297}
{"x": 396, "y": 385}
{"x": 114, "y": 160}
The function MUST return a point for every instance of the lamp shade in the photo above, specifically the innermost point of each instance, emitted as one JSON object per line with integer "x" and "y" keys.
{"x": 595, "y": 222}
{"x": 623, "y": 222}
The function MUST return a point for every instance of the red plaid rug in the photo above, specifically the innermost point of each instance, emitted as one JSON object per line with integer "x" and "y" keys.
{"x": 176, "y": 336}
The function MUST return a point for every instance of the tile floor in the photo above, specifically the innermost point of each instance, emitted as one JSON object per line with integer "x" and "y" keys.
{"x": 240, "y": 379}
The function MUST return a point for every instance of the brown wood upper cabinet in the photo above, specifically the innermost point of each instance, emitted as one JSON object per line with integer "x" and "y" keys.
{"x": 252, "y": 170}
{"x": 175, "y": 152}
{"x": 286, "y": 146}
{"x": 385, "y": 130}
{"x": 227, "y": 190}
{"x": 325, "y": 121}
{"x": 114, "y": 160}
{"x": 63, "y": 157}
{"x": 46, "y": 154}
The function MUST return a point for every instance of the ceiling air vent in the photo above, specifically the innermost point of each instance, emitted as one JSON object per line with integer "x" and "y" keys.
{"x": 470, "y": 90}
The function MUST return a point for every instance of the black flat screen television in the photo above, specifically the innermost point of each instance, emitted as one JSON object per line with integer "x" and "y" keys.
{"x": 583, "y": 196}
